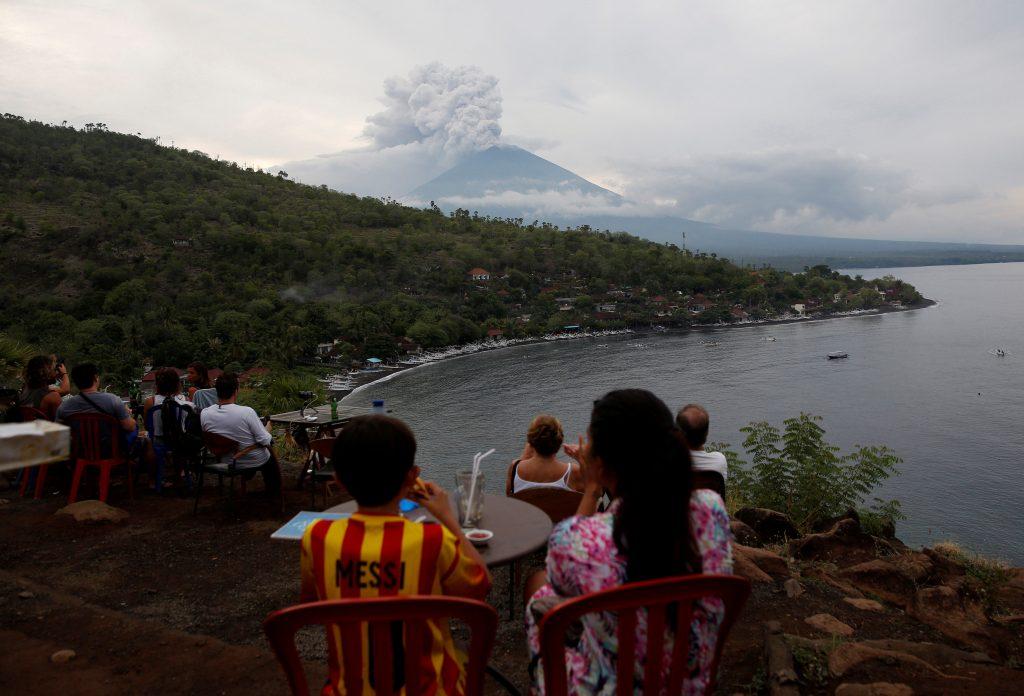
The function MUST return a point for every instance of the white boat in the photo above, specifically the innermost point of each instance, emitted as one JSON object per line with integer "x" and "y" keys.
{"x": 998, "y": 352}
{"x": 769, "y": 338}
{"x": 838, "y": 355}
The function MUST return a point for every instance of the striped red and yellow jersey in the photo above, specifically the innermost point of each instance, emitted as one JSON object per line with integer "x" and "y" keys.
{"x": 385, "y": 556}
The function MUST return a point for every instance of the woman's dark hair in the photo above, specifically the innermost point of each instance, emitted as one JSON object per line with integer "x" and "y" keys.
{"x": 634, "y": 434}
{"x": 545, "y": 435}
{"x": 202, "y": 374}
{"x": 167, "y": 381}
{"x": 38, "y": 372}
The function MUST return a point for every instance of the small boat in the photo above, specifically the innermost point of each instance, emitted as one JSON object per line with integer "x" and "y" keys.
{"x": 769, "y": 338}
{"x": 838, "y": 355}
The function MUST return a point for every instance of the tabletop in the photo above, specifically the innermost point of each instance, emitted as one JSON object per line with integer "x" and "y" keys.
{"x": 519, "y": 528}
{"x": 323, "y": 416}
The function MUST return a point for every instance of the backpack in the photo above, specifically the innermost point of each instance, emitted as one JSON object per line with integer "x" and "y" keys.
{"x": 182, "y": 431}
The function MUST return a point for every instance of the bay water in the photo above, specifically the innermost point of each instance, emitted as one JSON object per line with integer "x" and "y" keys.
{"x": 925, "y": 383}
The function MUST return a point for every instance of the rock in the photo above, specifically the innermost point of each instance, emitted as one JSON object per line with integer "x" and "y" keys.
{"x": 830, "y": 522}
{"x": 883, "y": 579}
{"x": 746, "y": 568}
{"x": 933, "y": 653}
{"x": 782, "y": 677}
{"x": 846, "y": 656}
{"x": 744, "y": 534}
{"x": 829, "y": 624}
{"x": 93, "y": 511}
{"x": 874, "y": 689}
{"x": 916, "y": 565}
{"x": 944, "y": 569}
{"x": 62, "y": 656}
{"x": 844, "y": 542}
{"x": 25, "y": 594}
{"x": 771, "y": 563}
{"x": 820, "y": 574}
{"x": 1010, "y": 595}
{"x": 771, "y": 526}
{"x": 942, "y": 609}
{"x": 792, "y": 588}
{"x": 864, "y": 604}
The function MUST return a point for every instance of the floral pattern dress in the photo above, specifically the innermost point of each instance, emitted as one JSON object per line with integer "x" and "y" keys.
{"x": 582, "y": 558}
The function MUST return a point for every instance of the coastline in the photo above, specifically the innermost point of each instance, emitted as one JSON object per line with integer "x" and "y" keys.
{"x": 371, "y": 378}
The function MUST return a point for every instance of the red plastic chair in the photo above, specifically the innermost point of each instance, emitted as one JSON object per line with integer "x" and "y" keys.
{"x": 87, "y": 447}
{"x": 657, "y": 596}
{"x": 381, "y": 614}
{"x": 27, "y": 414}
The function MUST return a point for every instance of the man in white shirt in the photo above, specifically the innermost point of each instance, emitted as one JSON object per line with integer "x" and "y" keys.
{"x": 710, "y": 469}
{"x": 241, "y": 424}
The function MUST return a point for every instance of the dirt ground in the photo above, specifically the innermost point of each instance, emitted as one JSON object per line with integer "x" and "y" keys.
{"x": 169, "y": 602}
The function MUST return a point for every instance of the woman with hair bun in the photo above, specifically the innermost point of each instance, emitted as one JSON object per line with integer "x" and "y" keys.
{"x": 654, "y": 528}
{"x": 539, "y": 466}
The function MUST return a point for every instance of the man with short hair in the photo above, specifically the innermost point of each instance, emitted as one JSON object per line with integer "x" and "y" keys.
{"x": 86, "y": 377}
{"x": 376, "y": 552}
{"x": 241, "y": 424}
{"x": 710, "y": 469}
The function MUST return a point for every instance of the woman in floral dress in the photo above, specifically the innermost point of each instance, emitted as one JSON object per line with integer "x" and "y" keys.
{"x": 636, "y": 452}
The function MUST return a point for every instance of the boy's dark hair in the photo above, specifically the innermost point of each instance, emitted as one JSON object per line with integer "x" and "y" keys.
{"x": 83, "y": 375}
{"x": 693, "y": 420}
{"x": 227, "y": 385}
{"x": 167, "y": 381}
{"x": 371, "y": 456}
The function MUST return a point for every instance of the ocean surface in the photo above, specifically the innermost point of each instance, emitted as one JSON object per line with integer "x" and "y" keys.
{"x": 922, "y": 382}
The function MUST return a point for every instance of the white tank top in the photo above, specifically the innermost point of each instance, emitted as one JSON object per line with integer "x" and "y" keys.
{"x": 521, "y": 484}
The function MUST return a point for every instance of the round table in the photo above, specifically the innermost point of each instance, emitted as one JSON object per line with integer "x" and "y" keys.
{"x": 519, "y": 528}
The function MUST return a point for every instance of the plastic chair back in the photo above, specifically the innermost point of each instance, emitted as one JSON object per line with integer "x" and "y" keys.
{"x": 382, "y": 614}
{"x": 27, "y": 414}
{"x": 558, "y": 503}
{"x": 323, "y": 447}
{"x": 95, "y": 437}
{"x": 219, "y": 445}
{"x": 658, "y": 597}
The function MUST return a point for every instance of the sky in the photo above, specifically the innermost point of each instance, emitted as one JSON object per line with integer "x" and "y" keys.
{"x": 868, "y": 119}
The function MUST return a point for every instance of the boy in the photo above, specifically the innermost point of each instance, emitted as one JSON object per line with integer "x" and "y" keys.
{"x": 378, "y": 553}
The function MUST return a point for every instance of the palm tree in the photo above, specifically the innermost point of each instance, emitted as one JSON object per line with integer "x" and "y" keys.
{"x": 13, "y": 356}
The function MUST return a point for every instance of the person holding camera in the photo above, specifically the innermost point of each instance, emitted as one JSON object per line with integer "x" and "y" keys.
{"x": 38, "y": 392}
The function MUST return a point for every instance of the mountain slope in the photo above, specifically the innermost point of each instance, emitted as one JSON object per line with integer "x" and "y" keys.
{"x": 505, "y": 169}
{"x": 116, "y": 249}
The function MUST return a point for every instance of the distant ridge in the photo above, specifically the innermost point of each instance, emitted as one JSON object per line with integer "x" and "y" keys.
{"x": 508, "y": 181}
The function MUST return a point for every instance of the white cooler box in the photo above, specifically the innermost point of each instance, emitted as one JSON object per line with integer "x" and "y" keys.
{"x": 33, "y": 443}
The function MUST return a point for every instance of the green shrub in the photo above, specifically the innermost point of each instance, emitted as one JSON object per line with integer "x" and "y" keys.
{"x": 796, "y": 471}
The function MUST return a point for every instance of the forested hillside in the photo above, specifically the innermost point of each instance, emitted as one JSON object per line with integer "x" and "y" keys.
{"x": 116, "y": 248}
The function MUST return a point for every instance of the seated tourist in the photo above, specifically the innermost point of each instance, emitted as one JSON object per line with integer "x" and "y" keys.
{"x": 39, "y": 374}
{"x": 167, "y": 385}
{"x": 86, "y": 378}
{"x": 538, "y": 467}
{"x": 710, "y": 469}
{"x": 241, "y": 424}
{"x": 201, "y": 392}
{"x": 636, "y": 452}
{"x": 373, "y": 458}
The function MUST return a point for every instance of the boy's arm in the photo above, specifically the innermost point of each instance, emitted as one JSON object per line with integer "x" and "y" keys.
{"x": 435, "y": 500}
{"x": 307, "y": 591}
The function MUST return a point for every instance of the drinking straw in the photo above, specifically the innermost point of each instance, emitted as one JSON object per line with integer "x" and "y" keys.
{"x": 472, "y": 482}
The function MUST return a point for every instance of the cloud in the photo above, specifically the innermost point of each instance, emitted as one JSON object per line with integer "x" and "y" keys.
{"x": 431, "y": 117}
{"x": 783, "y": 189}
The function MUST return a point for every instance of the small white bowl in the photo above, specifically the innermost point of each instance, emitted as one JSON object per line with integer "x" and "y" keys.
{"x": 478, "y": 537}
